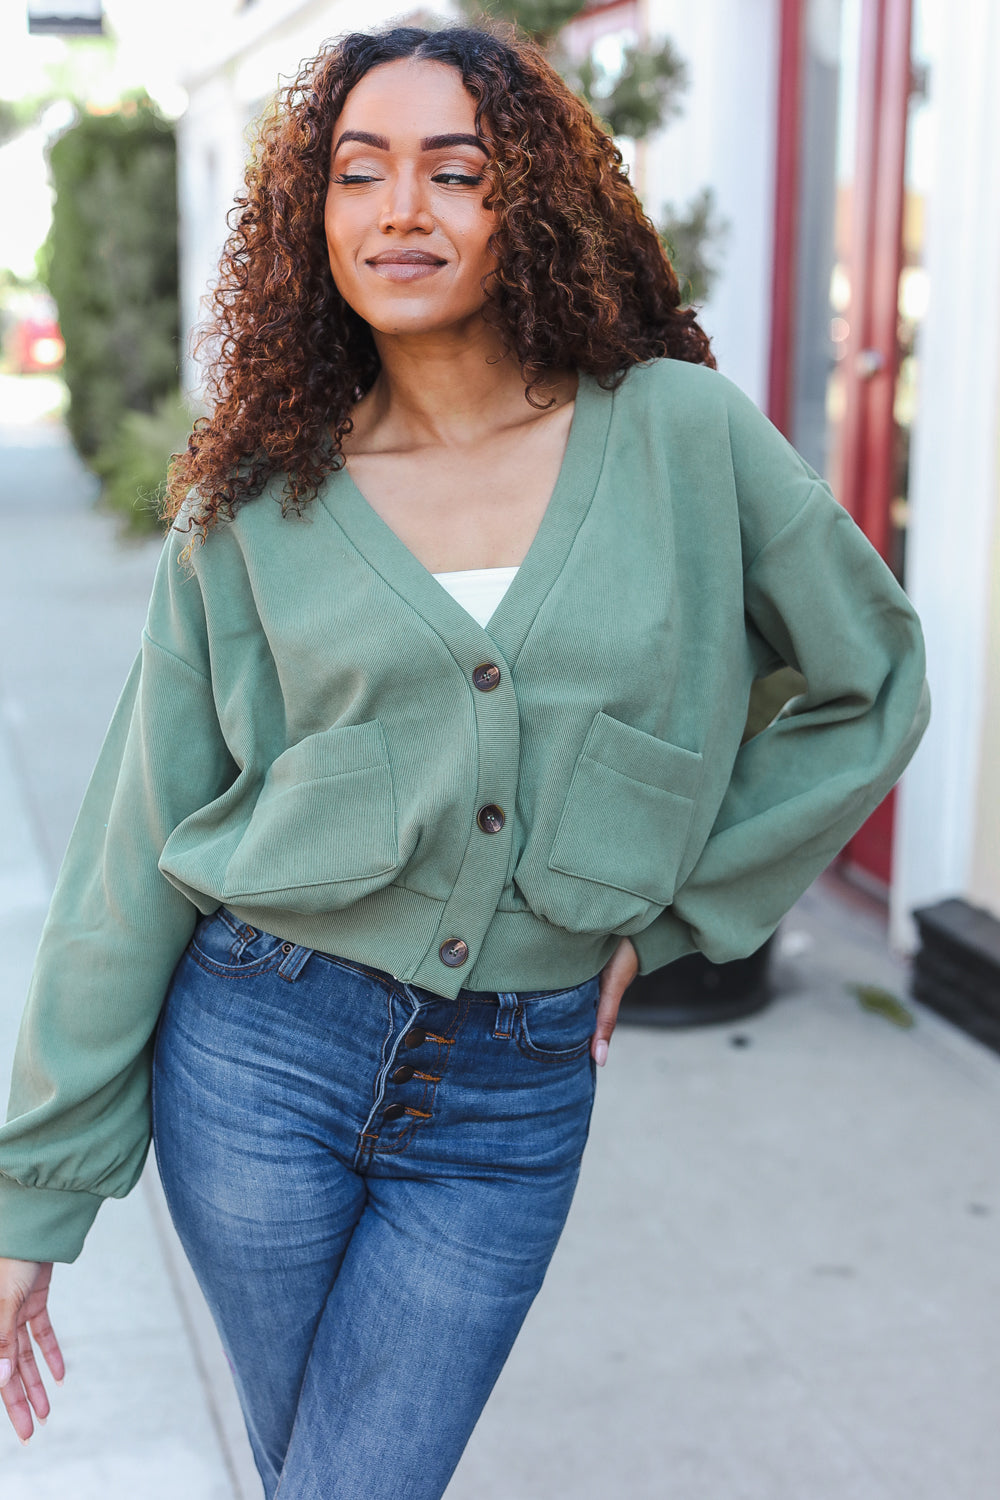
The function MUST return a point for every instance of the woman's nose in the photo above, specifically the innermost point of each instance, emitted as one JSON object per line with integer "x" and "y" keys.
{"x": 405, "y": 205}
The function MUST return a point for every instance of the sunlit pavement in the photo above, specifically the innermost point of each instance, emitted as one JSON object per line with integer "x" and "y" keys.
{"x": 780, "y": 1274}
{"x": 30, "y": 401}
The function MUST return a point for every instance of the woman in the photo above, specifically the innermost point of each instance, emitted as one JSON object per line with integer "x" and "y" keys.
{"x": 433, "y": 742}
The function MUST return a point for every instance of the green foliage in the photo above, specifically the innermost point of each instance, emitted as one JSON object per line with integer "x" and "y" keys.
{"x": 643, "y": 95}
{"x": 541, "y": 19}
{"x": 111, "y": 262}
{"x": 881, "y": 1002}
{"x": 86, "y": 71}
{"x": 687, "y": 237}
{"x": 634, "y": 101}
{"x": 16, "y": 115}
{"x": 132, "y": 463}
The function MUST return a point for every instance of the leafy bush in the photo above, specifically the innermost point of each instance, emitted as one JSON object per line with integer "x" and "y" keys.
{"x": 111, "y": 261}
{"x": 132, "y": 464}
{"x": 636, "y": 99}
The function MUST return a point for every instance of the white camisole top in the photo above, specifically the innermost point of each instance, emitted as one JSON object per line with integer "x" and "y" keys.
{"x": 478, "y": 590}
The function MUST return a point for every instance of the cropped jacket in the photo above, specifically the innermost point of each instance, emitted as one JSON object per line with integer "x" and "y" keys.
{"x": 317, "y": 735}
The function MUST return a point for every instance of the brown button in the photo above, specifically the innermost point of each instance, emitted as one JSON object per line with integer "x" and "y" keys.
{"x": 486, "y": 676}
{"x": 454, "y": 952}
{"x": 402, "y": 1074}
{"x": 414, "y": 1038}
{"x": 490, "y": 818}
{"x": 394, "y": 1111}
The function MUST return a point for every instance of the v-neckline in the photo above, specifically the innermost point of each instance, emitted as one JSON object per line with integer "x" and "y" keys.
{"x": 572, "y": 493}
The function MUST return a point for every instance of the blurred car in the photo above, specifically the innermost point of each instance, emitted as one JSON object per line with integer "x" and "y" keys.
{"x": 33, "y": 343}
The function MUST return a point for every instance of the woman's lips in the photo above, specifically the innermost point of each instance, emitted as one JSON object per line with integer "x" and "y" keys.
{"x": 405, "y": 265}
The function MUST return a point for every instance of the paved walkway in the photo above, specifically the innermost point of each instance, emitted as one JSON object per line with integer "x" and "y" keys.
{"x": 780, "y": 1276}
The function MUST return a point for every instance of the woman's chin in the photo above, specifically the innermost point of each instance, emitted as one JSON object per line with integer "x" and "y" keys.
{"x": 424, "y": 322}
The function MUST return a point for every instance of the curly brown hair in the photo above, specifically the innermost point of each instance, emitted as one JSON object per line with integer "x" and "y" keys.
{"x": 582, "y": 281}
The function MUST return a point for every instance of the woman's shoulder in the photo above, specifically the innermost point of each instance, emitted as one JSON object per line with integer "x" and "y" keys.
{"x": 696, "y": 403}
{"x": 693, "y": 386}
{"x": 261, "y": 520}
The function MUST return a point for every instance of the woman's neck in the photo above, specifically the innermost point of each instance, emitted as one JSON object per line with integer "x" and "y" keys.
{"x": 444, "y": 389}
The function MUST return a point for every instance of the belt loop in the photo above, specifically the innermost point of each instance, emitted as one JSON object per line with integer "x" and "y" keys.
{"x": 506, "y": 1007}
{"x": 294, "y": 962}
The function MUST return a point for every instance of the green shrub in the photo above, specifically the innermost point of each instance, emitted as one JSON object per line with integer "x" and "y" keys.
{"x": 111, "y": 261}
{"x": 132, "y": 464}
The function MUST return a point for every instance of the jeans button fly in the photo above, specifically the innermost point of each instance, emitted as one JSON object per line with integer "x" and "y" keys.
{"x": 402, "y": 1074}
{"x": 394, "y": 1111}
{"x": 414, "y": 1038}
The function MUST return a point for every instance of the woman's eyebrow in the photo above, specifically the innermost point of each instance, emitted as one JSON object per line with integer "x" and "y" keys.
{"x": 441, "y": 142}
{"x": 429, "y": 142}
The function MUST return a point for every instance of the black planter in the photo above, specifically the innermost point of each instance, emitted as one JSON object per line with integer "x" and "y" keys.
{"x": 694, "y": 992}
{"x": 957, "y": 968}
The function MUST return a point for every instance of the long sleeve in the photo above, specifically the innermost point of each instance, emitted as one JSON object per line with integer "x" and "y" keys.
{"x": 818, "y": 598}
{"x": 78, "y": 1120}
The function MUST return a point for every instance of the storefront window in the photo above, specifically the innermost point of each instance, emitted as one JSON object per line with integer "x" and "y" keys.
{"x": 835, "y": 267}
{"x": 823, "y": 281}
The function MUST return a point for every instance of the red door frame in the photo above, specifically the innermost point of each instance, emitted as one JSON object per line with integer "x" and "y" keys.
{"x": 786, "y": 215}
{"x": 871, "y": 360}
{"x": 877, "y": 246}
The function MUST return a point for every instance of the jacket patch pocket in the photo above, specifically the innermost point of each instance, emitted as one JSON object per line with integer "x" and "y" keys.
{"x": 624, "y": 824}
{"x": 323, "y": 829}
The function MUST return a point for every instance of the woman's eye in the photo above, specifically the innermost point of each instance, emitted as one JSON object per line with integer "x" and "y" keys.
{"x": 462, "y": 179}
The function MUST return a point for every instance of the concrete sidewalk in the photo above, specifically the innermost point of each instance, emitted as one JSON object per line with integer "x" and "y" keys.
{"x": 780, "y": 1276}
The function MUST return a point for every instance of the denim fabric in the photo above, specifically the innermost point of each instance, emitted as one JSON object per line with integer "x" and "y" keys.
{"x": 369, "y": 1180}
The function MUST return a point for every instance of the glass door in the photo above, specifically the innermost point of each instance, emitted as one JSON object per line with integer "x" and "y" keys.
{"x": 848, "y": 310}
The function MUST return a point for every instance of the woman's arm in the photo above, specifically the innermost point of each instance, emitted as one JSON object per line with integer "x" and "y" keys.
{"x": 78, "y": 1121}
{"x": 818, "y": 598}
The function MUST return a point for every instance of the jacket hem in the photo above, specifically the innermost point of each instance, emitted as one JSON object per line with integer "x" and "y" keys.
{"x": 401, "y": 932}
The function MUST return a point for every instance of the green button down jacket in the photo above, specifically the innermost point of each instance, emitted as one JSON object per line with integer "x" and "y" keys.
{"x": 313, "y": 723}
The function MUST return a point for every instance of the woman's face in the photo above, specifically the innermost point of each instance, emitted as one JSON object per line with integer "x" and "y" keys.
{"x": 406, "y": 230}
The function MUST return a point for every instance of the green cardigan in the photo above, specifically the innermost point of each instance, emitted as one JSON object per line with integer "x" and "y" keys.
{"x": 313, "y": 724}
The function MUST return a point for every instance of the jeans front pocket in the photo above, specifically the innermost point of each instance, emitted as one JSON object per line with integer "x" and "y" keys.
{"x": 557, "y": 1027}
{"x": 224, "y": 945}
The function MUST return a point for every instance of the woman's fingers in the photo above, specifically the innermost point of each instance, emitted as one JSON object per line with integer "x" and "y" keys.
{"x": 44, "y": 1336}
{"x": 24, "y": 1287}
{"x": 11, "y": 1388}
{"x": 18, "y": 1409}
{"x": 31, "y": 1378}
{"x": 10, "y": 1306}
{"x": 616, "y": 976}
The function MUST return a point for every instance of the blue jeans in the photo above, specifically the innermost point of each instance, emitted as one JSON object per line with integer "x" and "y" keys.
{"x": 369, "y": 1181}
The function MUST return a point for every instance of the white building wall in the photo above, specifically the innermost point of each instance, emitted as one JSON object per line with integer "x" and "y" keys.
{"x": 726, "y": 139}
{"x": 955, "y": 480}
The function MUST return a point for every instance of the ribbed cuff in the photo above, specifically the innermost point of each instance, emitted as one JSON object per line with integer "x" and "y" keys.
{"x": 665, "y": 939}
{"x": 44, "y": 1223}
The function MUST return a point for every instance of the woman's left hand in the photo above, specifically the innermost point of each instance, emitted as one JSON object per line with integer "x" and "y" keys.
{"x": 616, "y": 976}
